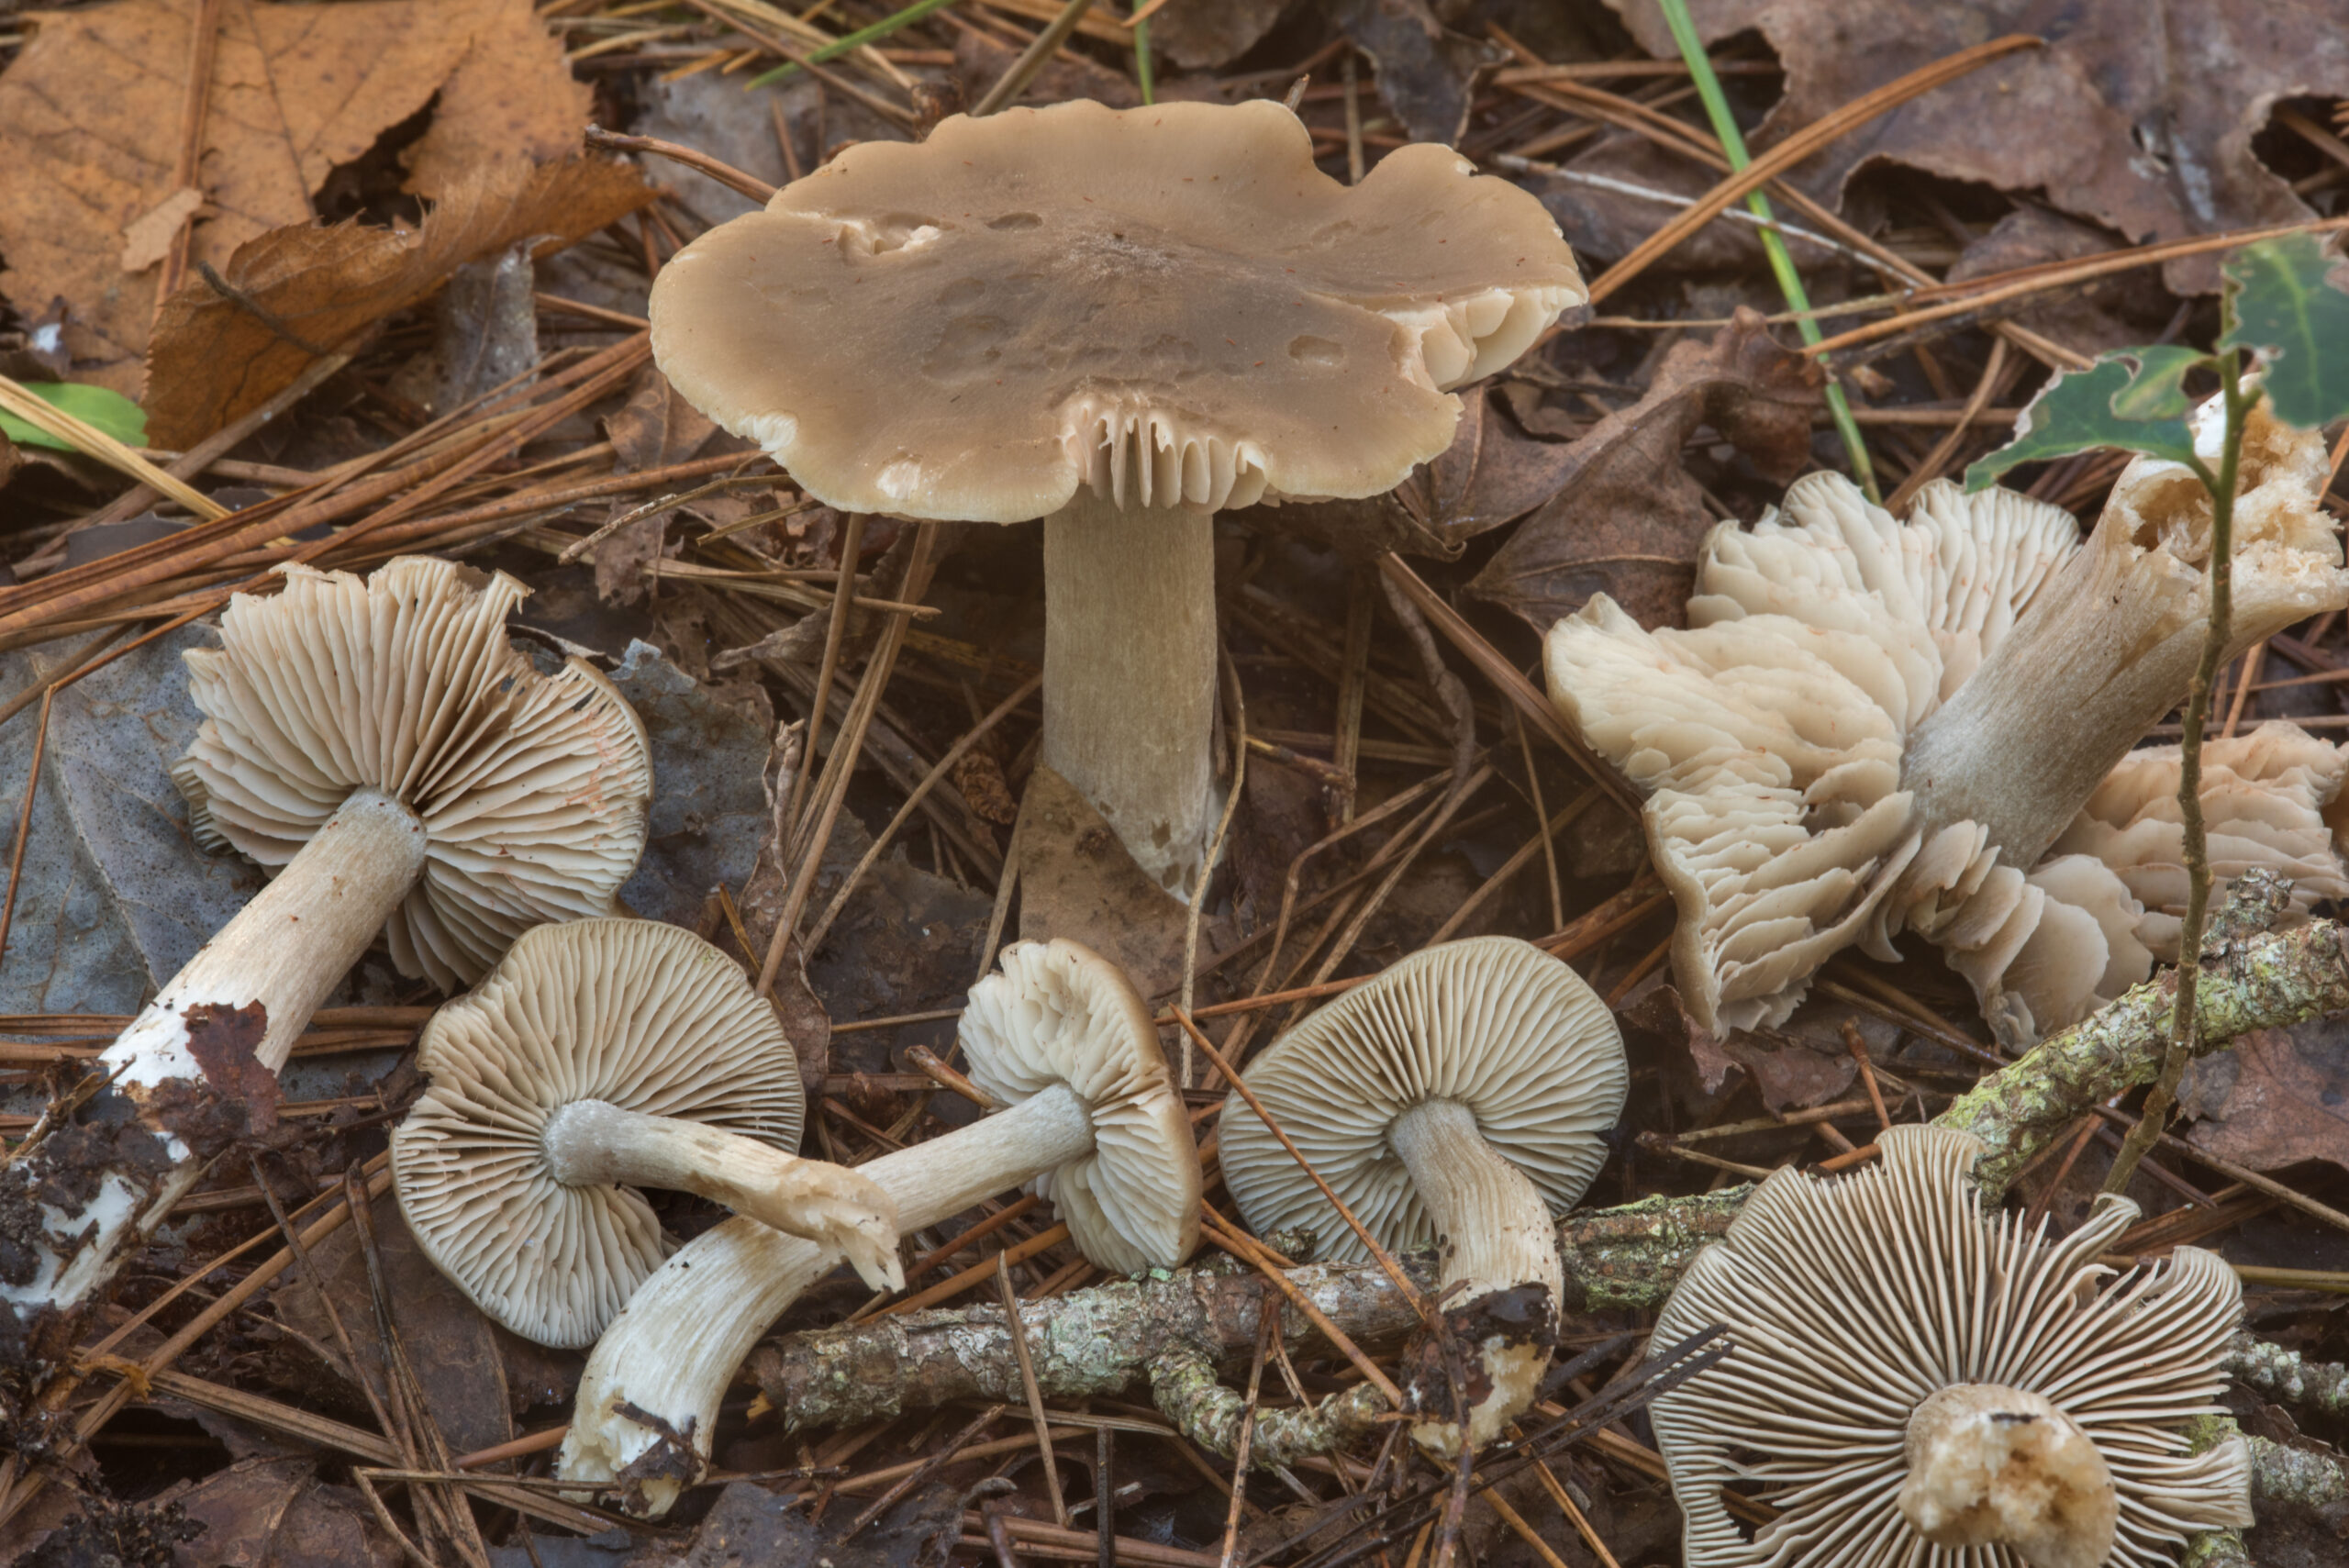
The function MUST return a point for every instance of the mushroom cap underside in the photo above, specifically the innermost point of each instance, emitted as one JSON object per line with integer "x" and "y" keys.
{"x": 1058, "y": 1013}
{"x": 1170, "y": 305}
{"x": 1493, "y": 1024}
{"x": 631, "y": 1013}
{"x": 531, "y": 788}
{"x": 1850, "y": 1301}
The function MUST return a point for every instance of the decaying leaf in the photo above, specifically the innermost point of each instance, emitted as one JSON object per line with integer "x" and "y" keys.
{"x": 89, "y": 133}
{"x": 1207, "y": 33}
{"x": 2138, "y": 116}
{"x": 1627, "y": 518}
{"x": 656, "y": 428}
{"x": 708, "y": 814}
{"x": 294, "y": 292}
{"x": 1426, "y": 73}
{"x": 2279, "y": 1097}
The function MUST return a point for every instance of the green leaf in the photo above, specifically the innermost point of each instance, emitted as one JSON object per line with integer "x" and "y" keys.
{"x": 2108, "y": 405}
{"x": 2277, "y": 302}
{"x": 110, "y": 411}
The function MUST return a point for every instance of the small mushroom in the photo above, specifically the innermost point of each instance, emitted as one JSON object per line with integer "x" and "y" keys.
{"x": 599, "y": 1057}
{"x": 1091, "y": 1116}
{"x": 1907, "y": 1372}
{"x": 1853, "y": 737}
{"x": 1120, "y": 321}
{"x": 399, "y": 768}
{"x": 1461, "y": 1099}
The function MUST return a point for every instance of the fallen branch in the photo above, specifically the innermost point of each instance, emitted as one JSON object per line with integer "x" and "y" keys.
{"x": 1169, "y": 1332}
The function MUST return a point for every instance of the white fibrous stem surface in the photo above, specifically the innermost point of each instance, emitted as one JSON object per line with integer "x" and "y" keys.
{"x": 243, "y": 1000}
{"x": 674, "y": 1349}
{"x": 1494, "y": 1234}
{"x": 592, "y": 1142}
{"x": 1129, "y": 674}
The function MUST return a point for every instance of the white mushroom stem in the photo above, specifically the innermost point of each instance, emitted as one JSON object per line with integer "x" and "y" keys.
{"x": 1129, "y": 673}
{"x": 1495, "y": 1234}
{"x": 221, "y": 1027}
{"x": 1992, "y": 1465}
{"x": 595, "y": 1143}
{"x": 673, "y": 1350}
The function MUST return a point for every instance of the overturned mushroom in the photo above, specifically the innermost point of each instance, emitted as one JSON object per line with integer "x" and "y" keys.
{"x": 1461, "y": 1099}
{"x": 1092, "y": 1117}
{"x": 1907, "y": 1371}
{"x": 1873, "y": 727}
{"x": 599, "y": 1057}
{"x": 1121, "y": 322}
{"x": 382, "y": 749}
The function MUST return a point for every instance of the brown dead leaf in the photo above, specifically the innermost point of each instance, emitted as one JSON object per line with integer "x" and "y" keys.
{"x": 90, "y": 116}
{"x": 298, "y": 289}
{"x": 2139, "y": 117}
{"x": 1210, "y": 34}
{"x": 1077, "y": 880}
{"x": 1426, "y": 73}
{"x": 1627, "y": 518}
{"x": 655, "y": 428}
{"x": 147, "y": 239}
{"x": 2094, "y": 318}
{"x": 2279, "y": 1097}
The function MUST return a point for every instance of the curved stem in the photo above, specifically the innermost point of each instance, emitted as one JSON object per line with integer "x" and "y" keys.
{"x": 593, "y": 1143}
{"x": 1494, "y": 1235}
{"x": 1129, "y": 669}
{"x": 675, "y": 1347}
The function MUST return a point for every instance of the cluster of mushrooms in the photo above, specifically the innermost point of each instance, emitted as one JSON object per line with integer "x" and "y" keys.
{"x": 1869, "y": 727}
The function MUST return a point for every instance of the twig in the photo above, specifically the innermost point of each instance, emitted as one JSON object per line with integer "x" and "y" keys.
{"x": 1267, "y": 1326}
{"x": 1018, "y": 1332}
{"x": 725, "y": 173}
{"x": 1023, "y": 69}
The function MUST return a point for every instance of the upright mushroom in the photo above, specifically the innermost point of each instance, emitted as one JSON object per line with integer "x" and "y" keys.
{"x": 399, "y": 767}
{"x": 1120, "y": 321}
{"x": 1460, "y": 1099}
{"x": 601, "y": 1056}
{"x": 1907, "y": 1371}
{"x": 1091, "y": 1116}
{"x": 1853, "y": 736}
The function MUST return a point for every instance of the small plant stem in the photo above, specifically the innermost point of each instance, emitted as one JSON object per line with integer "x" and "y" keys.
{"x": 2184, "y": 1024}
{"x": 857, "y": 40}
{"x": 1709, "y": 89}
{"x": 1145, "y": 79}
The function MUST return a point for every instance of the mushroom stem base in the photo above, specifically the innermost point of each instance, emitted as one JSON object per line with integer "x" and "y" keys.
{"x": 675, "y": 1347}
{"x": 1129, "y": 674}
{"x": 1502, "y": 1278}
{"x": 1988, "y": 1464}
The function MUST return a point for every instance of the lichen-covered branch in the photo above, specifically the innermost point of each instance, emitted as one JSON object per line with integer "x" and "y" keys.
{"x": 1187, "y": 1390}
{"x": 2295, "y": 1476}
{"x": 2270, "y": 1369}
{"x": 2268, "y": 981}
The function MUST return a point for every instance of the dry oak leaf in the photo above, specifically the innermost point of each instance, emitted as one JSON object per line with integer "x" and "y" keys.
{"x": 2139, "y": 117}
{"x": 1627, "y": 518}
{"x": 2280, "y": 1096}
{"x": 89, "y": 132}
{"x": 294, "y": 289}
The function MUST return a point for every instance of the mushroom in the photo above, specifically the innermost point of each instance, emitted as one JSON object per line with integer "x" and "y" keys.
{"x": 1851, "y": 740}
{"x": 1907, "y": 1372}
{"x": 1120, "y": 321}
{"x": 382, "y": 749}
{"x": 1461, "y": 1099}
{"x": 1090, "y": 1115}
{"x": 599, "y": 1057}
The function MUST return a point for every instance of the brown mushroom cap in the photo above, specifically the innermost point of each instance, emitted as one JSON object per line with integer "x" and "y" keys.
{"x": 531, "y": 788}
{"x": 1170, "y": 304}
{"x": 1852, "y": 1302}
{"x": 628, "y": 1013}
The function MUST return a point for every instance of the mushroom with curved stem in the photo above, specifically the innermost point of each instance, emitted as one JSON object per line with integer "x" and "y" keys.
{"x": 1120, "y": 321}
{"x": 400, "y": 768}
{"x": 602, "y": 1056}
{"x": 1804, "y": 792}
{"x": 1907, "y": 1371}
{"x": 1461, "y": 1099}
{"x": 1091, "y": 1117}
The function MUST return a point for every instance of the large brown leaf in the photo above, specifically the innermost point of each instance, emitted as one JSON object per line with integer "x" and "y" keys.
{"x": 296, "y": 291}
{"x": 2280, "y": 1096}
{"x": 1627, "y": 518}
{"x": 89, "y": 133}
{"x": 2137, "y": 115}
